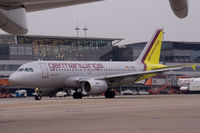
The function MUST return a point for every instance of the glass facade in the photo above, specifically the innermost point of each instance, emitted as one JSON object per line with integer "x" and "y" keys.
{"x": 54, "y": 48}
{"x": 123, "y": 54}
{"x": 172, "y": 52}
{"x": 9, "y": 67}
{"x": 60, "y": 48}
{"x": 29, "y": 48}
{"x": 8, "y": 39}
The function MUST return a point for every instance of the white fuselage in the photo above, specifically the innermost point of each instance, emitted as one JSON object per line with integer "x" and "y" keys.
{"x": 66, "y": 74}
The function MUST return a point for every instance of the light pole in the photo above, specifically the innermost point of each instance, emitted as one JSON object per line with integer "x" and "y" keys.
{"x": 77, "y": 30}
{"x": 85, "y": 30}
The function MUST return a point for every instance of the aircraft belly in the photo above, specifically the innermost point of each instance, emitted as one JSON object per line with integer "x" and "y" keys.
{"x": 72, "y": 83}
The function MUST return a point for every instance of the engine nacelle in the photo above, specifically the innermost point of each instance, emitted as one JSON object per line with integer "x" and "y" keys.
{"x": 179, "y": 7}
{"x": 13, "y": 20}
{"x": 95, "y": 87}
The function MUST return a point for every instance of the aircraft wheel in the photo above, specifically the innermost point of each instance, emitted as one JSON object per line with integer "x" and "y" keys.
{"x": 109, "y": 94}
{"x": 38, "y": 97}
{"x": 77, "y": 95}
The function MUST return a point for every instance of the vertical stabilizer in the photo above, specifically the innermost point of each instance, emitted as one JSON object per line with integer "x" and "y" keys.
{"x": 151, "y": 52}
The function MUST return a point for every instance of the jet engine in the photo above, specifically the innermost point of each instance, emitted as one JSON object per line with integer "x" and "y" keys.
{"x": 95, "y": 87}
{"x": 13, "y": 20}
{"x": 179, "y": 7}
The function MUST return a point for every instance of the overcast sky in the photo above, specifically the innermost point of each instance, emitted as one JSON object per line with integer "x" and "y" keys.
{"x": 133, "y": 20}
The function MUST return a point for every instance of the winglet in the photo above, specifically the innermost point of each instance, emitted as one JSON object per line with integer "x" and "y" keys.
{"x": 194, "y": 66}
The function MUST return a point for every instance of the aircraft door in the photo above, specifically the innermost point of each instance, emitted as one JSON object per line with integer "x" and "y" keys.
{"x": 44, "y": 69}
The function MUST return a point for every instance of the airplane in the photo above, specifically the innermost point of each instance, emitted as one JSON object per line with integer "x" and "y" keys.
{"x": 93, "y": 77}
{"x": 13, "y": 12}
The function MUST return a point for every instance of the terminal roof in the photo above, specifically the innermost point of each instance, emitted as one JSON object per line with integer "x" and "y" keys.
{"x": 75, "y": 38}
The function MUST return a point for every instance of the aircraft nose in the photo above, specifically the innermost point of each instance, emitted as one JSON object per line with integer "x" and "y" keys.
{"x": 14, "y": 79}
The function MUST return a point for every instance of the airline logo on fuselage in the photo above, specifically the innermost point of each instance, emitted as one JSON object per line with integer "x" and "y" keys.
{"x": 75, "y": 65}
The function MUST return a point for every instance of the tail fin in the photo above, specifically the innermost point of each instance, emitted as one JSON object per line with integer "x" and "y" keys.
{"x": 151, "y": 52}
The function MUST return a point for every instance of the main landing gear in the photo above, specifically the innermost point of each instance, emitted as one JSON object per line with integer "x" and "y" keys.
{"x": 109, "y": 94}
{"x": 38, "y": 97}
{"x": 77, "y": 94}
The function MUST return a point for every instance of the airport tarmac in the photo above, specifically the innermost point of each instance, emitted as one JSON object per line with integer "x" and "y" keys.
{"x": 124, "y": 114}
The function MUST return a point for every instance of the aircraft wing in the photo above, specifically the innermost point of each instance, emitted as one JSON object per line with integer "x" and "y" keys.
{"x": 37, "y": 5}
{"x": 193, "y": 66}
{"x": 179, "y": 7}
{"x": 130, "y": 78}
{"x": 13, "y": 12}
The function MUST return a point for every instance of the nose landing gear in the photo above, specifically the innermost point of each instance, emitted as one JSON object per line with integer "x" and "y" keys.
{"x": 38, "y": 95}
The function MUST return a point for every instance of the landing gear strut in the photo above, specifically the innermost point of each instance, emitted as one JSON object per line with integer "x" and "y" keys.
{"x": 77, "y": 94}
{"x": 109, "y": 94}
{"x": 38, "y": 97}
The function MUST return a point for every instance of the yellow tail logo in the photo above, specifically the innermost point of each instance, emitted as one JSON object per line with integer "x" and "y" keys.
{"x": 150, "y": 56}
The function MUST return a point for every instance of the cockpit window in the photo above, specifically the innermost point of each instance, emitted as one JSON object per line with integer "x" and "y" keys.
{"x": 31, "y": 69}
{"x": 25, "y": 69}
{"x": 21, "y": 69}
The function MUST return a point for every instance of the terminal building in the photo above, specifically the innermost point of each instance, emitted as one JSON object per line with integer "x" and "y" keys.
{"x": 17, "y": 50}
{"x": 172, "y": 53}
